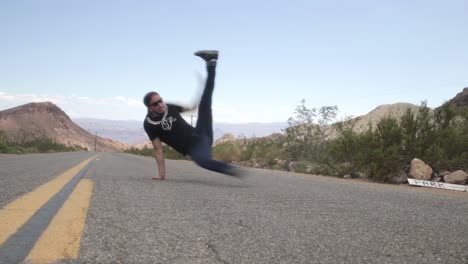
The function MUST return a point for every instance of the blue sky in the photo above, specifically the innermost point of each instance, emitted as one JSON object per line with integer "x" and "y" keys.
{"x": 98, "y": 58}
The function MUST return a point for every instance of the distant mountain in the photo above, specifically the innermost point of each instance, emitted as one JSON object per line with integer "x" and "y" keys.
{"x": 127, "y": 131}
{"x": 132, "y": 132}
{"x": 46, "y": 119}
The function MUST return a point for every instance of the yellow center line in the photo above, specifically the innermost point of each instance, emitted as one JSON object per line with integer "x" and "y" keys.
{"x": 17, "y": 213}
{"x": 61, "y": 239}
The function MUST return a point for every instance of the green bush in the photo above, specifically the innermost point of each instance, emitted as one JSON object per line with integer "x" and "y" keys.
{"x": 305, "y": 136}
{"x": 227, "y": 152}
{"x": 142, "y": 152}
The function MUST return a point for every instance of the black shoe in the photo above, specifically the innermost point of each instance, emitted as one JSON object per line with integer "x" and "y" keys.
{"x": 207, "y": 55}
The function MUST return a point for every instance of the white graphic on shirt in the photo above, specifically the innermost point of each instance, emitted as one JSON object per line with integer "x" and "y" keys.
{"x": 167, "y": 123}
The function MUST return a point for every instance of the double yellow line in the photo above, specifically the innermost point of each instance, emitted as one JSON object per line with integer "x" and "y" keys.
{"x": 61, "y": 239}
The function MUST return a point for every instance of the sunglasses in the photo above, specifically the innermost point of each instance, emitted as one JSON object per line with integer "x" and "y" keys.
{"x": 157, "y": 102}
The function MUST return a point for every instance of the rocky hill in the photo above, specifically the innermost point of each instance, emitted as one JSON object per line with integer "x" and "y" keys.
{"x": 460, "y": 101}
{"x": 46, "y": 119}
{"x": 361, "y": 123}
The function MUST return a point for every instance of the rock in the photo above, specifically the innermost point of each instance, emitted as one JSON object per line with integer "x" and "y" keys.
{"x": 444, "y": 173}
{"x": 347, "y": 176}
{"x": 457, "y": 177}
{"x": 420, "y": 170}
{"x": 291, "y": 166}
{"x": 257, "y": 165}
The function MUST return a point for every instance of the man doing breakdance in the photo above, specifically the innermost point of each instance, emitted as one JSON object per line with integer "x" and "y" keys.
{"x": 163, "y": 123}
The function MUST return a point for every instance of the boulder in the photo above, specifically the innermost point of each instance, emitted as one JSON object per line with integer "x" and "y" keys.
{"x": 457, "y": 177}
{"x": 291, "y": 166}
{"x": 420, "y": 170}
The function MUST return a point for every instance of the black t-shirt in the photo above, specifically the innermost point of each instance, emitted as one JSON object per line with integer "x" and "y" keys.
{"x": 170, "y": 128}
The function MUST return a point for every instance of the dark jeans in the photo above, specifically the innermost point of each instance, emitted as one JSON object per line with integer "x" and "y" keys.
{"x": 202, "y": 137}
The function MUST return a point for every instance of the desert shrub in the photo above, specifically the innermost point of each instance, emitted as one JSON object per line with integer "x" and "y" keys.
{"x": 265, "y": 150}
{"x": 28, "y": 142}
{"x": 145, "y": 151}
{"x": 440, "y": 138}
{"x": 227, "y": 152}
{"x": 169, "y": 153}
{"x": 4, "y": 144}
{"x": 305, "y": 135}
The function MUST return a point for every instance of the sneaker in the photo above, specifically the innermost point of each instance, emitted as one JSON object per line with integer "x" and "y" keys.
{"x": 207, "y": 55}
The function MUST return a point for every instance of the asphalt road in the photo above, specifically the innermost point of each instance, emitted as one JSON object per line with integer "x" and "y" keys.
{"x": 196, "y": 216}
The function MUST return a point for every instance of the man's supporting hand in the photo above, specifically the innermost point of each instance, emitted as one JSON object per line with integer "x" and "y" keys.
{"x": 159, "y": 156}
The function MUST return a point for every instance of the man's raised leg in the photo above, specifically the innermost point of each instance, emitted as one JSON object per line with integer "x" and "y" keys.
{"x": 204, "y": 124}
{"x": 203, "y": 138}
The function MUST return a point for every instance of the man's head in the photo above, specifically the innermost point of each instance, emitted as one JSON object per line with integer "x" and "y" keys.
{"x": 154, "y": 102}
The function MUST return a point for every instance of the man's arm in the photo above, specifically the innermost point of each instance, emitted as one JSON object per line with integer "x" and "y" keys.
{"x": 159, "y": 155}
{"x": 186, "y": 107}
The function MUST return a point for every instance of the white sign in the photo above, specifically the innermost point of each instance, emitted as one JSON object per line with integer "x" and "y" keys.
{"x": 440, "y": 185}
